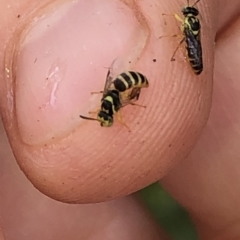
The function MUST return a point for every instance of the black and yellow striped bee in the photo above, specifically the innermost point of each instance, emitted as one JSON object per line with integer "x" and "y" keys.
{"x": 191, "y": 29}
{"x": 123, "y": 90}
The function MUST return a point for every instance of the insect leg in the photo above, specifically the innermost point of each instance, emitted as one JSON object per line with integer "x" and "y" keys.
{"x": 135, "y": 104}
{"x": 135, "y": 93}
{"x": 175, "y": 16}
{"x": 132, "y": 103}
{"x": 178, "y": 18}
{"x": 119, "y": 117}
{"x": 175, "y": 35}
{"x": 94, "y": 111}
{"x": 167, "y": 14}
{"x": 134, "y": 96}
{"x": 172, "y": 58}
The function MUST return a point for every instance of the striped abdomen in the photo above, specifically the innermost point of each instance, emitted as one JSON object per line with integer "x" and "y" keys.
{"x": 130, "y": 79}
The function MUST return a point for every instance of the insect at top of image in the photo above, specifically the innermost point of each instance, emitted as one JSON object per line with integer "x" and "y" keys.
{"x": 191, "y": 29}
{"x": 119, "y": 91}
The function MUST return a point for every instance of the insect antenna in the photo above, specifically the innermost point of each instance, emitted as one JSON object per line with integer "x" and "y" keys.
{"x": 195, "y": 3}
{"x": 96, "y": 92}
{"x": 88, "y": 118}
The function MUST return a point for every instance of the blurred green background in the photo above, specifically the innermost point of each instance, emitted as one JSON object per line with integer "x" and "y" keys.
{"x": 168, "y": 213}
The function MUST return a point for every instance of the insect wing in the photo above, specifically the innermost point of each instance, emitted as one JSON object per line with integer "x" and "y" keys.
{"x": 194, "y": 46}
{"x": 130, "y": 97}
{"x": 117, "y": 66}
{"x": 109, "y": 80}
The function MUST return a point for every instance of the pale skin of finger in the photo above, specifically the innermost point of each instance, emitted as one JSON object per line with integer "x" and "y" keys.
{"x": 1, "y": 235}
{"x": 34, "y": 215}
{"x": 227, "y": 13}
{"x": 163, "y": 136}
{"x": 207, "y": 183}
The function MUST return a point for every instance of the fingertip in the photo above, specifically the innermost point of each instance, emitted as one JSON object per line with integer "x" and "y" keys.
{"x": 90, "y": 164}
{"x": 49, "y": 139}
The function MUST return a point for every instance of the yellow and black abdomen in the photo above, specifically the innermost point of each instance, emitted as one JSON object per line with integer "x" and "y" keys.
{"x": 130, "y": 79}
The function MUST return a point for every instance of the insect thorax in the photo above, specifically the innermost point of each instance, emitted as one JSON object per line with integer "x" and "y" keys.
{"x": 192, "y": 23}
{"x": 111, "y": 102}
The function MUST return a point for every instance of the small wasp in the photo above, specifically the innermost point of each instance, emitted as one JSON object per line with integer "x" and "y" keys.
{"x": 191, "y": 30}
{"x": 123, "y": 90}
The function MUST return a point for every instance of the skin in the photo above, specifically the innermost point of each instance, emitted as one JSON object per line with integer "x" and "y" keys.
{"x": 204, "y": 181}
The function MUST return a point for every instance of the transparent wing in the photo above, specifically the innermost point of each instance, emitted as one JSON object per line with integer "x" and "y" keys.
{"x": 110, "y": 75}
{"x": 194, "y": 43}
{"x": 118, "y": 66}
{"x": 108, "y": 82}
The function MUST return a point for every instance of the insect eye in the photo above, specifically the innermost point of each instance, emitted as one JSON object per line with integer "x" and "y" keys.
{"x": 185, "y": 11}
{"x": 190, "y": 10}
